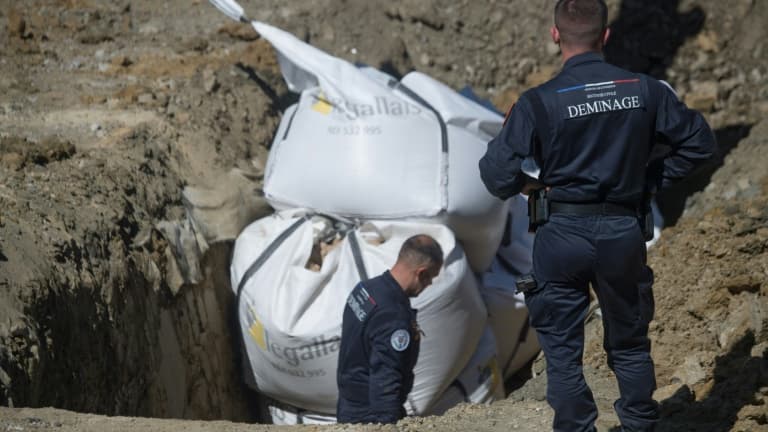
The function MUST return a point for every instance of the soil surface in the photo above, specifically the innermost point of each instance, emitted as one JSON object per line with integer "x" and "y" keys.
{"x": 108, "y": 110}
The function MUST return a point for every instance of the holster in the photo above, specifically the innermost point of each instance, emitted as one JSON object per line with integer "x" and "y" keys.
{"x": 526, "y": 284}
{"x": 538, "y": 209}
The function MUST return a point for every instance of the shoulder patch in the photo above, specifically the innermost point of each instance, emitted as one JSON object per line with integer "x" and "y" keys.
{"x": 400, "y": 340}
{"x": 361, "y": 302}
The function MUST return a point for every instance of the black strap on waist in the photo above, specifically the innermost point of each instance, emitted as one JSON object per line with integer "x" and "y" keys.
{"x": 593, "y": 209}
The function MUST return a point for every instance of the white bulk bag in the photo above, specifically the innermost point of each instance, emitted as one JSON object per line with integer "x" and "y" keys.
{"x": 291, "y": 316}
{"x": 286, "y": 415}
{"x": 479, "y": 382}
{"x": 291, "y": 353}
{"x": 516, "y": 248}
{"x": 358, "y": 144}
{"x": 507, "y": 315}
{"x": 516, "y": 342}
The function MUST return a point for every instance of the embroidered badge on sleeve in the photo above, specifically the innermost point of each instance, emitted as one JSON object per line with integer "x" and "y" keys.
{"x": 400, "y": 340}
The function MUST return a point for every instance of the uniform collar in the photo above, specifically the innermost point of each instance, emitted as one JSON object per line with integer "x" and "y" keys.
{"x": 392, "y": 282}
{"x": 587, "y": 57}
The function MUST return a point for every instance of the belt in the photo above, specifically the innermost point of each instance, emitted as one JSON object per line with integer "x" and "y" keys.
{"x": 593, "y": 209}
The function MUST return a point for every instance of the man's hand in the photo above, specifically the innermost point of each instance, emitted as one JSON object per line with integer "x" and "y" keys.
{"x": 531, "y": 184}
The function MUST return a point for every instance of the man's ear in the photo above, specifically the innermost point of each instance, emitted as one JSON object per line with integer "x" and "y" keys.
{"x": 423, "y": 272}
{"x": 555, "y": 33}
{"x": 420, "y": 271}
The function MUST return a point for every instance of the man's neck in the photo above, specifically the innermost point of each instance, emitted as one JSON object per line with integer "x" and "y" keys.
{"x": 401, "y": 276}
{"x": 568, "y": 53}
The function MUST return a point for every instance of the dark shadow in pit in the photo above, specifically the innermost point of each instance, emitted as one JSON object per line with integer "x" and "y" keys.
{"x": 389, "y": 67}
{"x": 278, "y": 102}
{"x": 519, "y": 378}
{"x": 69, "y": 328}
{"x": 247, "y": 382}
{"x": 738, "y": 376}
{"x": 647, "y": 34}
{"x": 672, "y": 202}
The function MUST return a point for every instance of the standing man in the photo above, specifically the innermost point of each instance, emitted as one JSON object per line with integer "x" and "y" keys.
{"x": 591, "y": 130}
{"x": 380, "y": 337}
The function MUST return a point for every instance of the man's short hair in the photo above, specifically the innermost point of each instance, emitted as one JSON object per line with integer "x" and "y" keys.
{"x": 581, "y": 22}
{"x": 421, "y": 250}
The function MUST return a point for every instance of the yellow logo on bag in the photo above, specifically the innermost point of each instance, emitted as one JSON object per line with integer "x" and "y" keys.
{"x": 257, "y": 332}
{"x": 322, "y": 105}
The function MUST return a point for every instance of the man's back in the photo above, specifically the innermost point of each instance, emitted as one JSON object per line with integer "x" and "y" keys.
{"x": 603, "y": 120}
{"x": 592, "y": 130}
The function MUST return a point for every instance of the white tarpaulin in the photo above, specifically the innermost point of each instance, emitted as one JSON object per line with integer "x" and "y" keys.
{"x": 290, "y": 316}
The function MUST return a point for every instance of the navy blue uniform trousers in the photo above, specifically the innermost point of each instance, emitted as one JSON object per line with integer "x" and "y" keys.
{"x": 571, "y": 252}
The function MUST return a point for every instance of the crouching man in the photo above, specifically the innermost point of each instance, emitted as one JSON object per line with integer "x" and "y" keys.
{"x": 380, "y": 337}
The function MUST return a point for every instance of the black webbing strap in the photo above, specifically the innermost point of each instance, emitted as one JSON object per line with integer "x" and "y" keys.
{"x": 276, "y": 243}
{"x": 463, "y": 390}
{"x": 246, "y": 364}
{"x": 357, "y": 254}
{"x": 413, "y": 95}
{"x": 290, "y": 123}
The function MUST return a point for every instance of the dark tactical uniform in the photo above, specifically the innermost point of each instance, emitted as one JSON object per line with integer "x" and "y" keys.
{"x": 592, "y": 131}
{"x": 379, "y": 348}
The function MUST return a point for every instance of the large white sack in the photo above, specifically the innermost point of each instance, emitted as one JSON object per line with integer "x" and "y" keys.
{"x": 291, "y": 316}
{"x": 516, "y": 248}
{"x": 508, "y": 317}
{"x": 286, "y": 415}
{"x": 480, "y": 381}
{"x": 516, "y": 342}
{"x": 367, "y": 146}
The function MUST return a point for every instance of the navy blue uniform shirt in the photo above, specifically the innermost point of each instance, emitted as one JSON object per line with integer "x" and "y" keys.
{"x": 379, "y": 348}
{"x": 594, "y": 143}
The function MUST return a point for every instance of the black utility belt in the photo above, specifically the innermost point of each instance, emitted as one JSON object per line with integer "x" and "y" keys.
{"x": 540, "y": 207}
{"x": 592, "y": 209}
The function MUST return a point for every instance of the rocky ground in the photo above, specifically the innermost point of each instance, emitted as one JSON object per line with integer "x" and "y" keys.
{"x": 109, "y": 109}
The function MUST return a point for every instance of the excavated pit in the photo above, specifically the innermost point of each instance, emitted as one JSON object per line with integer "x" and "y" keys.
{"x": 139, "y": 351}
{"x": 107, "y": 111}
